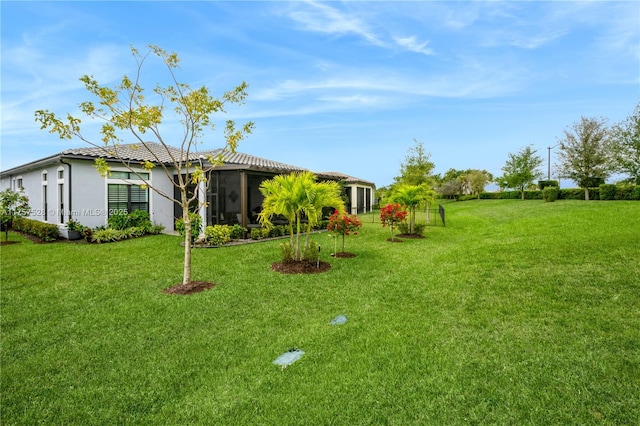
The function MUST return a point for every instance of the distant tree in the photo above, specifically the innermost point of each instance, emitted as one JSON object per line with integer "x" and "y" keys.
{"x": 521, "y": 169}
{"x": 625, "y": 139}
{"x": 124, "y": 108}
{"x": 451, "y": 184}
{"x": 476, "y": 180}
{"x": 12, "y": 205}
{"x": 585, "y": 153}
{"x": 417, "y": 167}
{"x": 411, "y": 197}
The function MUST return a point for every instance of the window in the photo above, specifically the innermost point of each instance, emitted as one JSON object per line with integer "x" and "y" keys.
{"x": 127, "y": 198}
{"x": 19, "y": 184}
{"x": 45, "y": 206}
{"x": 60, "y": 173}
{"x": 128, "y": 175}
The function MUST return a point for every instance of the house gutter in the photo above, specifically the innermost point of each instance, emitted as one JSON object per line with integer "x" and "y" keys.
{"x": 70, "y": 180}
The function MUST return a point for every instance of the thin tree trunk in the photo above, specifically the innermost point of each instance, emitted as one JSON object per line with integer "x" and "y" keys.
{"x": 586, "y": 194}
{"x": 186, "y": 275}
{"x": 298, "y": 255}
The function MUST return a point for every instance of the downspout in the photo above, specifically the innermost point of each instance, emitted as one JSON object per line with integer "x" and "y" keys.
{"x": 69, "y": 208}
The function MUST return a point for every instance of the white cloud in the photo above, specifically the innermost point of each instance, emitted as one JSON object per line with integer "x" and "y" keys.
{"x": 411, "y": 43}
{"x": 321, "y": 18}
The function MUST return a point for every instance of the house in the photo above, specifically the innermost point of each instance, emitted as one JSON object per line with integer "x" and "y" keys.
{"x": 67, "y": 185}
{"x": 360, "y": 193}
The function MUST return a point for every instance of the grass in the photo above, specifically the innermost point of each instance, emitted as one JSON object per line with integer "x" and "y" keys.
{"x": 518, "y": 312}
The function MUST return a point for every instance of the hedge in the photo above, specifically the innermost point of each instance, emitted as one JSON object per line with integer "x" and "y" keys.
{"x": 602, "y": 192}
{"x": 44, "y": 231}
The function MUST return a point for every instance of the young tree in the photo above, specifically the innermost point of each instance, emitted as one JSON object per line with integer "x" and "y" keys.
{"x": 585, "y": 153}
{"x": 476, "y": 180}
{"x": 12, "y": 205}
{"x": 411, "y": 197}
{"x": 521, "y": 169}
{"x": 625, "y": 138}
{"x": 391, "y": 215}
{"x": 125, "y": 112}
{"x": 417, "y": 168}
{"x": 344, "y": 224}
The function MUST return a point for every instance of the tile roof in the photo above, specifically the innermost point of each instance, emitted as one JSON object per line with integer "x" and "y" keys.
{"x": 342, "y": 176}
{"x": 156, "y": 152}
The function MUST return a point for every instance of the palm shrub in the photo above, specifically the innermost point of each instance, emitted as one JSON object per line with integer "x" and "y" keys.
{"x": 412, "y": 196}
{"x": 296, "y": 196}
{"x": 343, "y": 224}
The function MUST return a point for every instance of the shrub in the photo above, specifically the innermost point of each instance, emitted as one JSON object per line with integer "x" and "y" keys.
{"x": 311, "y": 252}
{"x": 286, "y": 252}
{"x": 550, "y": 193}
{"x": 74, "y": 225}
{"x": 608, "y": 191}
{"x": 418, "y": 228}
{"x": 196, "y": 225}
{"x": 118, "y": 220}
{"x": 636, "y": 193}
{"x": 256, "y": 233}
{"x": 156, "y": 229}
{"x": 542, "y": 184}
{"x": 627, "y": 192}
{"x": 139, "y": 218}
{"x": 403, "y": 228}
{"x": 44, "y": 231}
{"x": 237, "y": 231}
{"x": 571, "y": 194}
{"x": 218, "y": 234}
{"x": 264, "y": 232}
{"x": 107, "y": 235}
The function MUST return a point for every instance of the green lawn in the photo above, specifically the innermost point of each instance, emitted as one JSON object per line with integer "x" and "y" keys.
{"x": 518, "y": 312}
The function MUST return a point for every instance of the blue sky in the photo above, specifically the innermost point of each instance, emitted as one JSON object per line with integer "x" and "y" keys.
{"x": 339, "y": 86}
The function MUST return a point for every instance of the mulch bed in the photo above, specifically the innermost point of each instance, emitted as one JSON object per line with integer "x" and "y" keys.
{"x": 186, "y": 289}
{"x": 6, "y": 243}
{"x": 303, "y": 267}
{"x": 416, "y": 236}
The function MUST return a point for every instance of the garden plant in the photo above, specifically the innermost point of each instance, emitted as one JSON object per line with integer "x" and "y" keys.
{"x": 344, "y": 225}
{"x": 391, "y": 215}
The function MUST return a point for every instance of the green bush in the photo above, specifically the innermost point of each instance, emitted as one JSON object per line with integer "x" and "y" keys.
{"x": 256, "y": 233}
{"x": 418, "y": 228}
{"x": 608, "y": 191}
{"x": 44, "y": 231}
{"x": 542, "y": 184}
{"x": 156, "y": 229}
{"x": 107, "y": 235}
{"x": 286, "y": 252}
{"x": 571, "y": 194}
{"x": 550, "y": 193}
{"x": 196, "y": 225}
{"x": 311, "y": 252}
{"x": 237, "y": 231}
{"x": 139, "y": 219}
{"x": 627, "y": 192}
{"x": 118, "y": 220}
{"x": 218, "y": 234}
